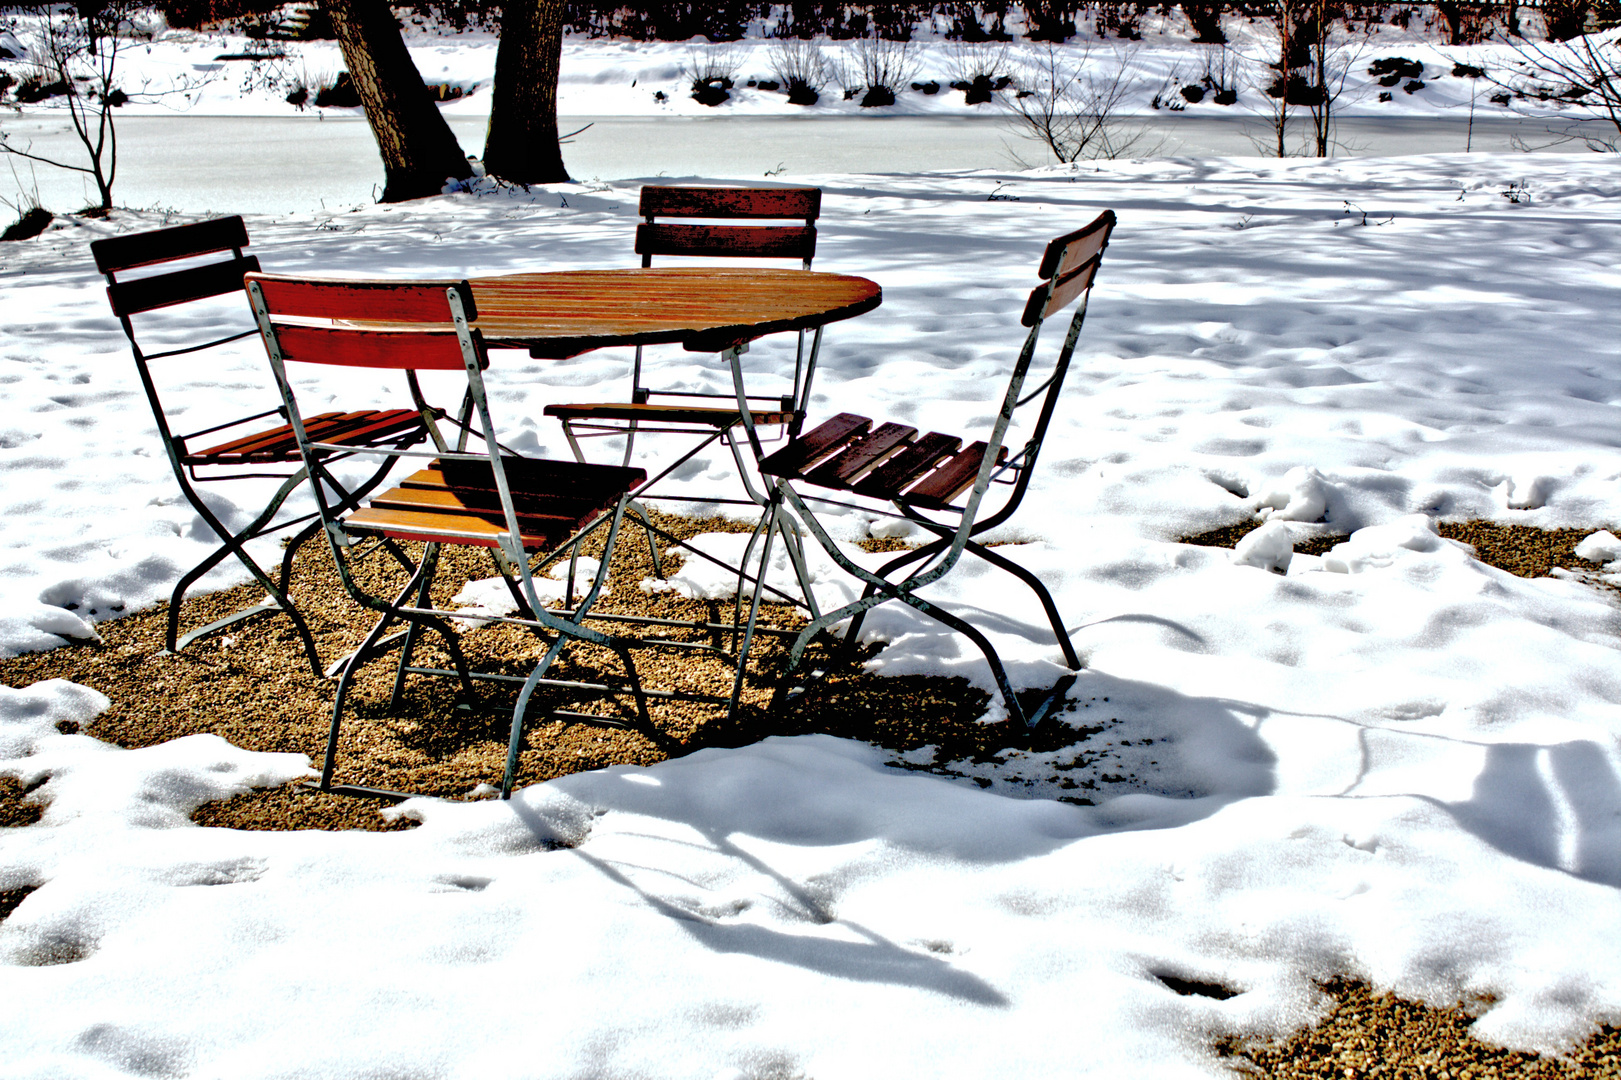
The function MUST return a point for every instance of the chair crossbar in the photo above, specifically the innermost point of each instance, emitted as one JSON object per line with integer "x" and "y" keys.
{"x": 671, "y": 414}
{"x": 149, "y": 357}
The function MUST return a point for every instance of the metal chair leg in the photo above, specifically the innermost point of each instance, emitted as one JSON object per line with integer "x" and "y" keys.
{"x": 232, "y": 544}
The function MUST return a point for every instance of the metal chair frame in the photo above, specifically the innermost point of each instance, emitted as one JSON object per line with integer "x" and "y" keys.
{"x": 255, "y": 452}
{"x": 855, "y": 459}
{"x": 432, "y": 325}
{"x": 680, "y": 238}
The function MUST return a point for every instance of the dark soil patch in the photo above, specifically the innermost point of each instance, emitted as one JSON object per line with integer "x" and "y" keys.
{"x": 1520, "y": 549}
{"x": 1229, "y": 535}
{"x": 14, "y": 811}
{"x": 1379, "y": 1035}
{"x": 10, "y": 898}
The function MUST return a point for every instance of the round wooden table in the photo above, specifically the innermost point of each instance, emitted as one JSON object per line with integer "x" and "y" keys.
{"x": 705, "y": 309}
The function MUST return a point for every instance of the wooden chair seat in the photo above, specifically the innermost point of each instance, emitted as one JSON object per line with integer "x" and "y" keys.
{"x": 457, "y": 502}
{"x": 278, "y": 444}
{"x": 662, "y": 414}
{"x": 847, "y": 454}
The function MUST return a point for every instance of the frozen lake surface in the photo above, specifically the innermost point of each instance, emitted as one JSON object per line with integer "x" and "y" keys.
{"x": 279, "y": 165}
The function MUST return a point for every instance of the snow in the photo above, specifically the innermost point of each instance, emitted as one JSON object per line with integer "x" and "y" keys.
{"x": 1391, "y": 760}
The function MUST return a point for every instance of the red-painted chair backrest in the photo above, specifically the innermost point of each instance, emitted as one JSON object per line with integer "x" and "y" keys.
{"x": 374, "y": 324}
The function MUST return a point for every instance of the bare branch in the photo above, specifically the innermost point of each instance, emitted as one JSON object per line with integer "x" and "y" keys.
{"x": 1071, "y": 105}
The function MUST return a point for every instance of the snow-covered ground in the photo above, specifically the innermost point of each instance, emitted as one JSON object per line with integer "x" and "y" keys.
{"x": 1393, "y": 761}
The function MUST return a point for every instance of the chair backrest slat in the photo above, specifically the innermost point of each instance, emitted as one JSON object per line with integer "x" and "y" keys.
{"x": 727, "y": 241}
{"x": 715, "y": 202}
{"x": 363, "y": 301}
{"x": 1067, "y": 252}
{"x": 118, "y": 253}
{"x": 1067, "y": 269}
{"x": 180, "y": 286}
{"x": 1064, "y": 293}
{"x": 414, "y": 350}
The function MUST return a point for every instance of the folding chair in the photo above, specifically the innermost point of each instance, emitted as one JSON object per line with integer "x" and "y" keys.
{"x": 516, "y": 507}
{"x": 922, "y": 476}
{"x": 733, "y": 229}
{"x": 198, "y": 262}
{"x": 723, "y": 208}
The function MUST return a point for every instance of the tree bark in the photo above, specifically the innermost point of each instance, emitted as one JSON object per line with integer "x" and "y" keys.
{"x": 418, "y": 149}
{"x": 521, "y": 144}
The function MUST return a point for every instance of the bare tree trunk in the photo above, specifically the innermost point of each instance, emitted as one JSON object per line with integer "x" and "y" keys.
{"x": 1285, "y": 17}
{"x": 1322, "y": 112}
{"x": 521, "y": 144}
{"x": 418, "y": 149}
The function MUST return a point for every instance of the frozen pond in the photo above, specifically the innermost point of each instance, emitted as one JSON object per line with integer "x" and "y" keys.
{"x": 308, "y": 164}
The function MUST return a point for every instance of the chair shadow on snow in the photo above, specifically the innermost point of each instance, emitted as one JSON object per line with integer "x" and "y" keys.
{"x": 1557, "y": 807}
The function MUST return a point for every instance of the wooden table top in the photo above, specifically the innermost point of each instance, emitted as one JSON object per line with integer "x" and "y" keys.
{"x": 705, "y": 309}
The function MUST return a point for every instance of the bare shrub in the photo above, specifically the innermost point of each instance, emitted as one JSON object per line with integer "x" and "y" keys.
{"x": 1220, "y": 75}
{"x": 76, "y": 50}
{"x": 979, "y": 71}
{"x": 877, "y": 69}
{"x": 1069, "y": 102}
{"x": 712, "y": 73}
{"x": 801, "y": 69}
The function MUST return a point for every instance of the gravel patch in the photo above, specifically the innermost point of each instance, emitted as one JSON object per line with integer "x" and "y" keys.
{"x": 1367, "y": 1034}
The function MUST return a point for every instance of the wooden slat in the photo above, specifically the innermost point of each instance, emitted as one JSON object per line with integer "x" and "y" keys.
{"x": 1069, "y": 251}
{"x": 444, "y": 528}
{"x": 844, "y": 468}
{"x": 272, "y": 444}
{"x": 1064, "y": 293}
{"x": 179, "y": 286}
{"x": 717, "y": 202}
{"x": 892, "y": 477}
{"x": 537, "y": 515}
{"x": 727, "y": 241}
{"x": 820, "y": 442}
{"x": 537, "y": 476}
{"x": 368, "y": 427}
{"x": 381, "y": 301}
{"x": 418, "y": 350}
{"x": 661, "y": 414}
{"x": 364, "y": 428}
{"x": 117, "y": 253}
{"x": 457, "y": 502}
{"x": 957, "y": 475}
